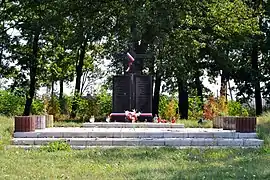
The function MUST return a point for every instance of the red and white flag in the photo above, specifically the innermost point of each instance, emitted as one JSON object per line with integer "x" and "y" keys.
{"x": 131, "y": 60}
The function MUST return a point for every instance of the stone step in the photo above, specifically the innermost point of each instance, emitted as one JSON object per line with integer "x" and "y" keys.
{"x": 131, "y": 125}
{"x": 29, "y": 147}
{"x": 141, "y": 141}
{"x": 129, "y": 133}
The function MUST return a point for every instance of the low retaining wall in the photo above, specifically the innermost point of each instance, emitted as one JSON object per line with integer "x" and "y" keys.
{"x": 31, "y": 123}
{"x": 49, "y": 121}
{"x": 25, "y": 124}
{"x": 240, "y": 124}
{"x": 40, "y": 122}
{"x": 246, "y": 124}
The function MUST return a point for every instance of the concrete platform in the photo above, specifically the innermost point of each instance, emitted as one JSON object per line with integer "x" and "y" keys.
{"x": 141, "y": 141}
{"x": 131, "y": 125}
{"x": 29, "y": 147}
{"x": 133, "y": 133}
{"x": 122, "y": 137}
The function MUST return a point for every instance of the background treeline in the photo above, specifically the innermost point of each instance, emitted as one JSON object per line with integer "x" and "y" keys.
{"x": 100, "y": 105}
{"x": 52, "y": 42}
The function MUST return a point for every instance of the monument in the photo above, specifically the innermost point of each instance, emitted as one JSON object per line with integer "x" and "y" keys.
{"x": 132, "y": 91}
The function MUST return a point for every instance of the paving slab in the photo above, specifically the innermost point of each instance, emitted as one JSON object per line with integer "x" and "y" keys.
{"x": 27, "y": 147}
{"x": 246, "y": 135}
{"x": 141, "y": 141}
{"x": 253, "y": 142}
{"x": 230, "y": 142}
{"x": 133, "y": 133}
{"x": 178, "y": 142}
{"x": 131, "y": 125}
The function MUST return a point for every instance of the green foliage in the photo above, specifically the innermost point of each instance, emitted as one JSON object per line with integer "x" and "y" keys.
{"x": 104, "y": 102}
{"x": 194, "y": 124}
{"x": 56, "y": 146}
{"x": 170, "y": 110}
{"x": 37, "y": 107}
{"x": 53, "y": 106}
{"x": 6, "y": 131}
{"x": 66, "y": 104}
{"x": 236, "y": 109}
{"x": 86, "y": 108}
{"x": 195, "y": 108}
{"x": 163, "y": 103}
{"x": 99, "y": 105}
{"x": 263, "y": 130}
{"x": 10, "y": 104}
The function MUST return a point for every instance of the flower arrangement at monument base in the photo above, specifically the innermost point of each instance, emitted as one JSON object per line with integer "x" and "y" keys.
{"x": 132, "y": 115}
{"x": 160, "y": 120}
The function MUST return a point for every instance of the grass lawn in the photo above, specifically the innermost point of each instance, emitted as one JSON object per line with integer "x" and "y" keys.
{"x": 139, "y": 163}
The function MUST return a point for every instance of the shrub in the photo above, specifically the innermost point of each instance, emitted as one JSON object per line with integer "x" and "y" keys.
{"x": 236, "y": 109}
{"x": 66, "y": 104}
{"x": 56, "y": 146}
{"x": 38, "y": 107}
{"x": 195, "y": 108}
{"x": 10, "y": 104}
{"x": 221, "y": 107}
{"x": 53, "y": 106}
{"x": 170, "y": 109}
{"x": 104, "y": 101}
{"x": 163, "y": 102}
{"x": 210, "y": 108}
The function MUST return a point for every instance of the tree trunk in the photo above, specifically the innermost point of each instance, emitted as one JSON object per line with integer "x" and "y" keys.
{"x": 223, "y": 85}
{"x": 79, "y": 72}
{"x": 61, "y": 92}
{"x": 156, "y": 93}
{"x": 199, "y": 87}
{"x": 52, "y": 99}
{"x": 33, "y": 73}
{"x": 230, "y": 89}
{"x": 52, "y": 90}
{"x": 183, "y": 99}
{"x": 61, "y": 97}
{"x": 256, "y": 80}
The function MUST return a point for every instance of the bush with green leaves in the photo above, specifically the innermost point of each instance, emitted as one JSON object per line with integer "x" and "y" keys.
{"x": 10, "y": 104}
{"x": 163, "y": 103}
{"x": 37, "y": 107}
{"x": 104, "y": 101}
{"x": 99, "y": 105}
{"x": 53, "y": 106}
{"x": 56, "y": 146}
{"x": 195, "y": 108}
{"x": 235, "y": 108}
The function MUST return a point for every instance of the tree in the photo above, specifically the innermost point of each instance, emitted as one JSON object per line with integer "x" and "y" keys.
{"x": 33, "y": 20}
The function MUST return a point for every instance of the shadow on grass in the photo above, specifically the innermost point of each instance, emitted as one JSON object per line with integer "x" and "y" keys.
{"x": 238, "y": 164}
{"x": 173, "y": 154}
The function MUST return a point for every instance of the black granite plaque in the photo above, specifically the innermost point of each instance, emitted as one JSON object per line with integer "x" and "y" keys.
{"x": 143, "y": 93}
{"x": 121, "y": 93}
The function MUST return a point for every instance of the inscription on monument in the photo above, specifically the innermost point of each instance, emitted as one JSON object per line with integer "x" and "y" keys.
{"x": 144, "y": 93}
{"x": 121, "y": 93}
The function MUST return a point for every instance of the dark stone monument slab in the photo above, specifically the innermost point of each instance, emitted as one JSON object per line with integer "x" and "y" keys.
{"x": 130, "y": 92}
{"x": 143, "y": 93}
{"x": 121, "y": 93}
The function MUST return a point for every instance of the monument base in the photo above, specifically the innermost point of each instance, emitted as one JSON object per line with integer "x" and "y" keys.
{"x": 121, "y": 117}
